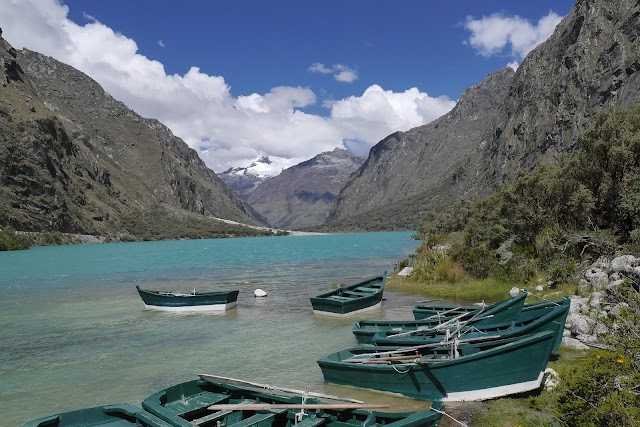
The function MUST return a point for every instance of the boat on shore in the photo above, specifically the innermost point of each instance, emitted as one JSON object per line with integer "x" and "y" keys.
{"x": 351, "y": 299}
{"x": 454, "y": 372}
{"x": 219, "y": 401}
{"x": 188, "y": 302}
{"x": 122, "y": 415}
{"x": 503, "y": 311}
{"x": 552, "y": 320}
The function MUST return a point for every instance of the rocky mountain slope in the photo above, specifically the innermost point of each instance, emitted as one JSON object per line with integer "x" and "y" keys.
{"x": 507, "y": 123}
{"x": 302, "y": 195}
{"x": 73, "y": 159}
{"x": 244, "y": 180}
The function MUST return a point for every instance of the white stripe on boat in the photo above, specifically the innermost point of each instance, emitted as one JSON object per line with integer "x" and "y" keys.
{"x": 493, "y": 392}
{"x": 193, "y": 308}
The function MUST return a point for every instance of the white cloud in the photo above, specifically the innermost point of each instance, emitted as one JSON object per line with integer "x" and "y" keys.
{"x": 513, "y": 65}
{"x": 492, "y": 34}
{"x": 341, "y": 73}
{"x": 226, "y": 130}
{"x": 161, "y": 44}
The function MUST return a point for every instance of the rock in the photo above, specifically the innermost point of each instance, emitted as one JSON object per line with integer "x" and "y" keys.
{"x": 551, "y": 379}
{"x": 584, "y": 287}
{"x": 616, "y": 309}
{"x": 573, "y": 343}
{"x": 600, "y": 329}
{"x": 566, "y": 333}
{"x": 580, "y": 324}
{"x": 613, "y": 285}
{"x": 597, "y": 278}
{"x": 596, "y": 299}
{"x": 587, "y": 338}
{"x": 405, "y": 271}
{"x": 539, "y": 288}
{"x": 259, "y": 293}
{"x": 504, "y": 252}
{"x": 514, "y": 291}
{"x": 578, "y": 305}
{"x": 624, "y": 263}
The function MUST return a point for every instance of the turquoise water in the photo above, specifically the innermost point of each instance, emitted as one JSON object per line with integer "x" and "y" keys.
{"x": 74, "y": 333}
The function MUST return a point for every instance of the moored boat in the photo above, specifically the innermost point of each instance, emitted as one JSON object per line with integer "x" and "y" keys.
{"x": 122, "y": 415}
{"x": 188, "y": 302}
{"x": 464, "y": 372}
{"x": 549, "y": 320}
{"x": 351, "y": 299}
{"x": 212, "y": 402}
{"x": 503, "y": 311}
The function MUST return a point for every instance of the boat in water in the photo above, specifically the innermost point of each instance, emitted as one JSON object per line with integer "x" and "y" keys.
{"x": 351, "y": 299}
{"x": 503, "y": 311}
{"x": 539, "y": 321}
{"x": 219, "y": 401}
{"x": 107, "y": 416}
{"x": 454, "y": 372}
{"x": 188, "y": 302}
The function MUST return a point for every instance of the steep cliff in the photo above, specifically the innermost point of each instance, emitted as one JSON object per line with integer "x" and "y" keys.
{"x": 302, "y": 195}
{"x": 73, "y": 159}
{"x": 590, "y": 63}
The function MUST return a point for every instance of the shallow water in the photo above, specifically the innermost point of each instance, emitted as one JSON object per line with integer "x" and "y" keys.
{"x": 74, "y": 333}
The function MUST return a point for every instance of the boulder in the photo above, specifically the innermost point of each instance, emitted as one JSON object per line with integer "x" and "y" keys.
{"x": 514, "y": 291}
{"x": 613, "y": 285}
{"x": 624, "y": 263}
{"x": 597, "y": 278}
{"x": 573, "y": 343}
{"x": 616, "y": 309}
{"x": 566, "y": 333}
{"x": 578, "y": 305}
{"x": 587, "y": 338}
{"x": 580, "y": 324}
{"x": 551, "y": 379}
{"x": 597, "y": 298}
{"x": 259, "y": 293}
{"x": 405, "y": 271}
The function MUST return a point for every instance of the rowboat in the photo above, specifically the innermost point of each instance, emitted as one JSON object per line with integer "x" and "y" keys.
{"x": 429, "y": 311}
{"x": 552, "y": 320}
{"x": 351, "y": 299}
{"x": 503, "y": 311}
{"x": 188, "y": 302}
{"x": 108, "y": 416}
{"x": 464, "y": 372}
{"x": 209, "y": 401}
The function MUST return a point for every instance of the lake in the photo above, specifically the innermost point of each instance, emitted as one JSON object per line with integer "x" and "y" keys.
{"x": 74, "y": 332}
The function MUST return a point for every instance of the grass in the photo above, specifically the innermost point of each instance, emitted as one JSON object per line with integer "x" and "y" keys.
{"x": 466, "y": 289}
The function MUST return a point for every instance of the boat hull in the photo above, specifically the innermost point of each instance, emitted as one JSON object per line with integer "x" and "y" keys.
{"x": 503, "y": 311}
{"x": 187, "y": 405}
{"x": 195, "y": 303}
{"x": 553, "y": 320}
{"x": 350, "y": 300}
{"x": 487, "y": 371}
{"x": 108, "y": 416}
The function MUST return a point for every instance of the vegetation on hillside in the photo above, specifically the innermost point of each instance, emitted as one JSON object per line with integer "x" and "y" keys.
{"x": 544, "y": 225}
{"x": 586, "y": 206}
{"x": 10, "y": 241}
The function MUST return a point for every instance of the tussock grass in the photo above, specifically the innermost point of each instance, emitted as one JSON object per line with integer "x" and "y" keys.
{"x": 467, "y": 289}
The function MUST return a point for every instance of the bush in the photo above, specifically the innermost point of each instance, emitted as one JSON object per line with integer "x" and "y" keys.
{"x": 478, "y": 261}
{"x": 449, "y": 271}
{"x": 11, "y": 241}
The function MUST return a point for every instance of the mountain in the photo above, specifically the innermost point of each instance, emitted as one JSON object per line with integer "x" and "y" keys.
{"x": 508, "y": 123}
{"x": 302, "y": 194}
{"x": 244, "y": 180}
{"x": 73, "y": 159}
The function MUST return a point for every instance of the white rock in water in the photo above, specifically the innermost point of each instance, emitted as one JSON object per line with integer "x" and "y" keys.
{"x": 405, "y": 271}
{"x": 514, "y": 291}
{"x": 259, "y": 293}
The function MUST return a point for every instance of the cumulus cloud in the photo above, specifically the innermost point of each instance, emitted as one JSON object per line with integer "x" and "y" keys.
{"x": 340, "y": 72}
{"x": 226, "y": 130}
{"x": 490, "y": 35}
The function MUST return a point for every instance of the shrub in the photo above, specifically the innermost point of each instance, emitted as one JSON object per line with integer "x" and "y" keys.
{"x": 478, "y": 261}
{"x": 449, "y": 271}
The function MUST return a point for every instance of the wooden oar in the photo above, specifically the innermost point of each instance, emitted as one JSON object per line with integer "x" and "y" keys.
{"x": 235, "y": 381}
{"x": 268, "y": 406}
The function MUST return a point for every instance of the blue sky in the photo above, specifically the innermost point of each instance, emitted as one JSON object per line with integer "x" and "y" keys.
{"x": 239, "y": 79}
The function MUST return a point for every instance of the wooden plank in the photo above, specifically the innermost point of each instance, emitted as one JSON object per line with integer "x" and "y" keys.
{"x": 241, "y": 383}
{"x": 269, "y": 406}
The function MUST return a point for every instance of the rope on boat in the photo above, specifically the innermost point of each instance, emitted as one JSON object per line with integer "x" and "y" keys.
{"x": 541, "y": 297}
{"x": 399, "y": 371}
{"x": 300, "y": 415}
{"x": 444, "y": 413}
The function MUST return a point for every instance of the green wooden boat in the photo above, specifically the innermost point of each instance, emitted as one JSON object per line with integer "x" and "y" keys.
{"x": 212, "y": 402}
{"x": 188, "y": 302}
{"x": 107, "y": 416}
{"x": 503, "y": 311}
{"x": 464, "y": 372}
{"x": 429, "y": 311}
{"x": 553, "y": 320}
{"x": 351, "y": 299}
